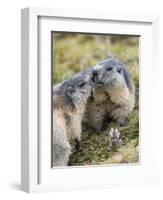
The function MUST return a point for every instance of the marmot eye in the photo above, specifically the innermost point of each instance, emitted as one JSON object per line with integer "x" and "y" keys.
{"x": 119, "y": 70}
{"x": 81, "y": 84}
{"x": 109, "y": 68}
{"x": 69, "y": 87}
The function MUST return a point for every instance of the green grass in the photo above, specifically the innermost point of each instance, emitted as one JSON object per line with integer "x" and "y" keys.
{"x": 75, "y": 52}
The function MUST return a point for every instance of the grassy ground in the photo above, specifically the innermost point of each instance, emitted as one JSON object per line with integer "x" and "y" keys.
{"x": 74, "y": 52}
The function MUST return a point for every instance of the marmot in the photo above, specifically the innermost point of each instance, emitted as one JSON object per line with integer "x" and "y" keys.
{"x": 113, "y": 96}
{"x": 69, "y": 102}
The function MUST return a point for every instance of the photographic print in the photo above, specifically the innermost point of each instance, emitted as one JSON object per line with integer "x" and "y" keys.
{"x": 95, "y": 99}
{"x": 85, "y": 107}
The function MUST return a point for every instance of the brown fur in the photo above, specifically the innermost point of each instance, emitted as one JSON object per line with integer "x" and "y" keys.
{"x": 72, "y": 123}
{"x": 113, "y": 103}
{"x": 67, "y": 116}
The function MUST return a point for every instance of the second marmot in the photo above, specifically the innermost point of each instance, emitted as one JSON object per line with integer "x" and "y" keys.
{"x": 113, "y": 96}
{"x": 69, "y": 102}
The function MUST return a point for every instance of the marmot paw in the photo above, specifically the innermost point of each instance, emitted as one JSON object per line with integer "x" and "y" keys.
{"x": 122, "y": 121}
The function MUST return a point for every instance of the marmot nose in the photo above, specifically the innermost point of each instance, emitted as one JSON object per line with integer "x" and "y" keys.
{"x": 94, "y": 73}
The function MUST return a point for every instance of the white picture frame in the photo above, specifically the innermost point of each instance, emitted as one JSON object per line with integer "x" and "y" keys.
{"x": 36, "y": 171}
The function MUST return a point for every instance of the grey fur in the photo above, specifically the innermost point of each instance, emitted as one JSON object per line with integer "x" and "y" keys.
{"x": 69, "y": 102}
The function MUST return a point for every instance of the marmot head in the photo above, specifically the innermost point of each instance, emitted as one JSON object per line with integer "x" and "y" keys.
{"x": 111, "y": 73}
{"x": 76, "y": 90}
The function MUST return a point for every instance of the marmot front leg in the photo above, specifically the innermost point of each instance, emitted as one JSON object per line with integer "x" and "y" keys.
{"x": 97, "y": 123}
{"x": 120, "y": 115}
{"x": 61, "y": 150}
{"x": 61, "y": 146}
{"x": 95, "y": 117}
{"x": 76, "y": 130}
{"x": 122, "y": 121}
{"x": 61, "y": 154}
